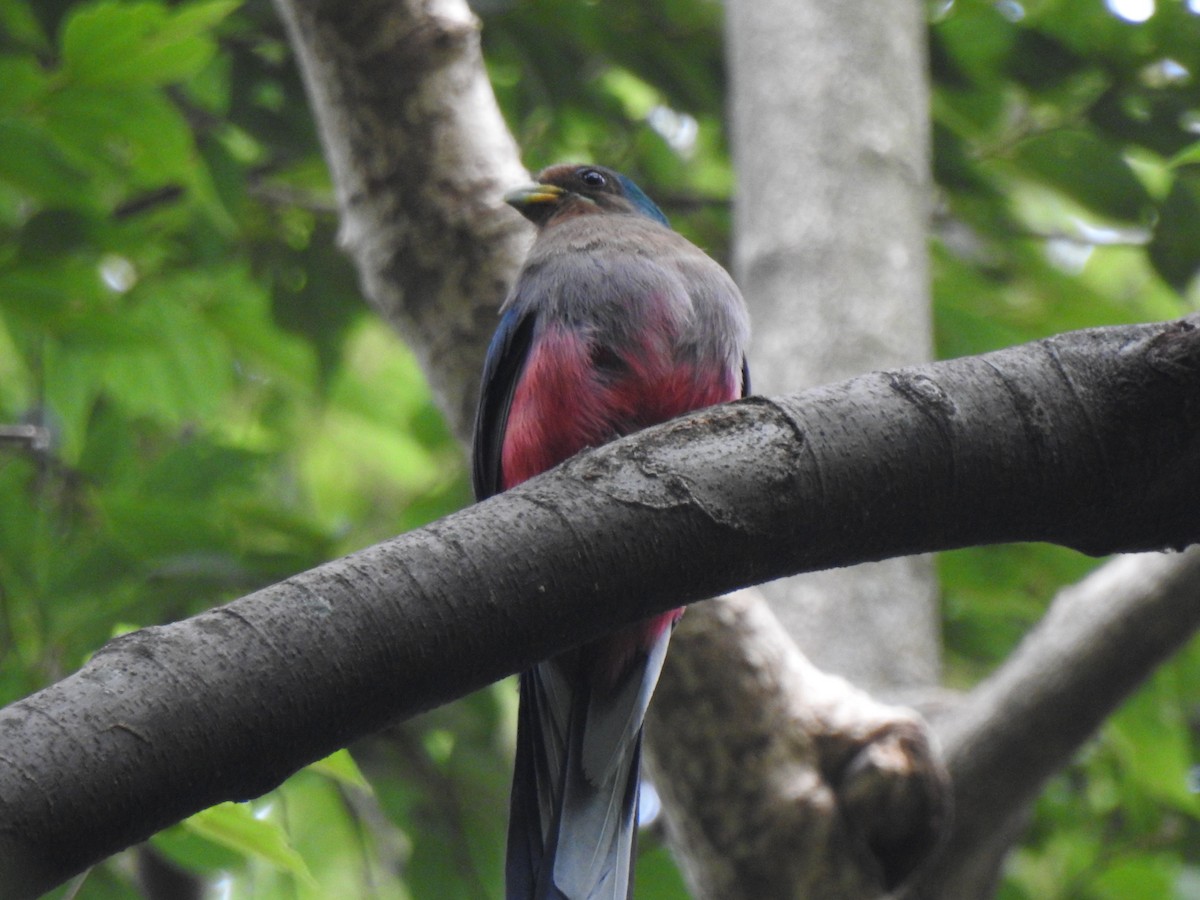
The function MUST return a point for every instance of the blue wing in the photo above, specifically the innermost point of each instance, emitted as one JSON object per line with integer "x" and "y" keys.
{"x": 502, "y": 369}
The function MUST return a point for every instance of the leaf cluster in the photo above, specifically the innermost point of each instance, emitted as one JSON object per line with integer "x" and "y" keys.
{"x": 194, "y": 400}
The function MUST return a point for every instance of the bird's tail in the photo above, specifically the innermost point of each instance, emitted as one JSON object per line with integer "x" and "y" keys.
{"x": 573, "y": 819}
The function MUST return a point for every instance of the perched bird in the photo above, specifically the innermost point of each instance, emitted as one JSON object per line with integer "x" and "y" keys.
{"x": 615, "y": 323}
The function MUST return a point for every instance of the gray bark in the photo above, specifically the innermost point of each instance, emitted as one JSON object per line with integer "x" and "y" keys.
{"x": 830, "y": 219}
{"x": 829, "y": 107}
{"x": 420, "y": 159}
{"x": 783, "y": 781}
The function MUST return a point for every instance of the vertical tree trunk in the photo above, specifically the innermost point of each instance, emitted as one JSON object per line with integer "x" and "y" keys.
{"x": 829, "y": 106}
{"x": 829, "y": 121}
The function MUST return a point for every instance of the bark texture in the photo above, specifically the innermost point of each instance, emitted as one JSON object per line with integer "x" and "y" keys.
{"x": 794, "y": 782}
{"x": 1090, "y": 439}
{"x": 420, "y": 159}
{"x": 831, "y": 204}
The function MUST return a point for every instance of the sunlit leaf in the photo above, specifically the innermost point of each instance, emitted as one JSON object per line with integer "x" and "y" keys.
{"x": 1153, "y": 738}
{"x": 1189, "y": 156}
{"x": 1145, "y": 877}
{"x": 236, "y": 827}
{"x": 341, "y": 767}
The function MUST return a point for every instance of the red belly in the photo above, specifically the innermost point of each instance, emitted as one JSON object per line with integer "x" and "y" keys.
{"x": 565, "y": 403}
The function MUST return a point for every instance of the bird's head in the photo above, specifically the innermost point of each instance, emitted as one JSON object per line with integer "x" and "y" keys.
{"x": 568, "y": 190}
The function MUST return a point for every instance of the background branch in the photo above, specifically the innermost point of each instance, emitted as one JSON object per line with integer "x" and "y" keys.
{"x": 1100, "y": 639}
{"x": 780, "y": 774}
{"x": 420, "y": 159}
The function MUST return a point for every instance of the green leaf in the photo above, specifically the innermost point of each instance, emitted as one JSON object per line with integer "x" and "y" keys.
{"x": 182, "y": 370}
{"x": 195, "y": 852}
{"x": 110, "y": 44}
{"x": 116, "y": 134}
{"x": 24, "y": 80}
{"x": 1175, "y": 248}
{"x": 657, "y": 873}
{"x": 342, "y": 768}
{"x": 21, "y": 26}
{"x": 1088, "y": 171}
{"x": 42, "y": 292}
{"x": 33, "y": 162}
{"x": 236, "y": 827}
{"x": 1144, "y": 877}
{"x": 1188, "y": 156}
{"x": 1151, "y": 735}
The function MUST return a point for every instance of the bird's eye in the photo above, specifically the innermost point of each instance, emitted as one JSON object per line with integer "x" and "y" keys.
{"x": 592, "y": 178}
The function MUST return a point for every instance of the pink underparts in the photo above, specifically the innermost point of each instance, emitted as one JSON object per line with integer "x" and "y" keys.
{"x": 566, "y": 402}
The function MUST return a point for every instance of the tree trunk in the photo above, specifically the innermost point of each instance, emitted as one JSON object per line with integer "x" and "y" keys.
{"x": 830, "y": 223}
{"x": 829, "y": 109}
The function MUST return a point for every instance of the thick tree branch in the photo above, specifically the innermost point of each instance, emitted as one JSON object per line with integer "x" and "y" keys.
{"x": 1091, "y": 440}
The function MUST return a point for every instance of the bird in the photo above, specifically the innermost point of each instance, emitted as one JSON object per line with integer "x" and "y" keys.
{"x": 615, "y": 323}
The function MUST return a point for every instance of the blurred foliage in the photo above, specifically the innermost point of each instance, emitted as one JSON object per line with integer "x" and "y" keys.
{"x": 212, "y": 407}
